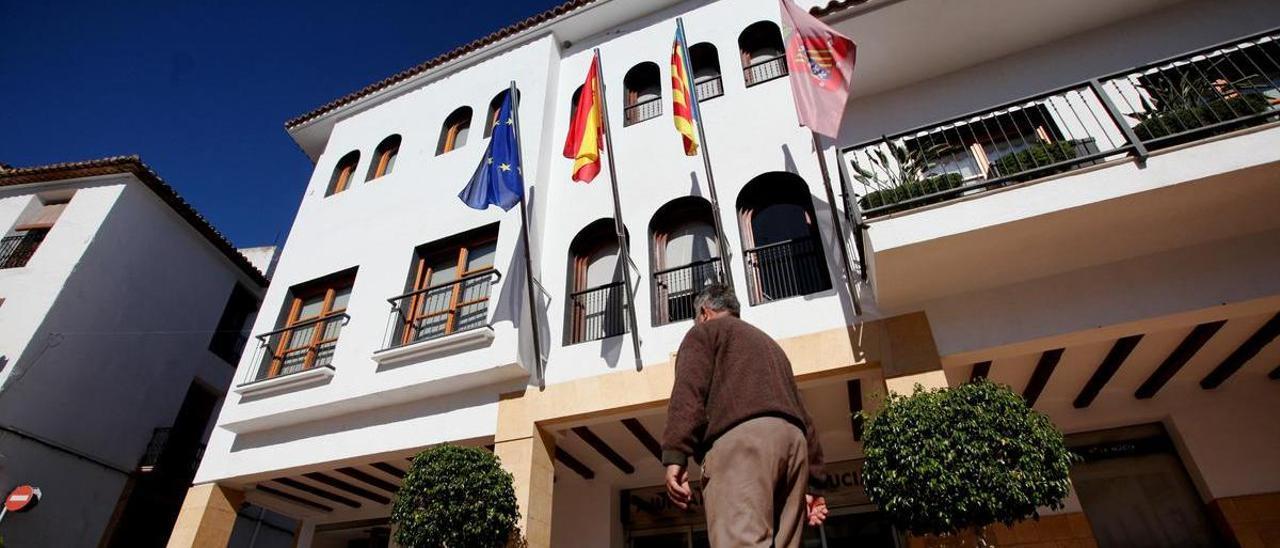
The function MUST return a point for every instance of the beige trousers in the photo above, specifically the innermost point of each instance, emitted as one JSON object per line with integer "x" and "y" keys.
{"x": 754, "y": 484}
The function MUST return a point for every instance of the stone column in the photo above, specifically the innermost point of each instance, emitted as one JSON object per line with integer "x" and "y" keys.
{"x": 207, "y": 516}
{"x": 528, "y": 453}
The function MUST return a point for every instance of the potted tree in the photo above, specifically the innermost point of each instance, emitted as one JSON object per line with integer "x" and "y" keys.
{"x": 456, "y": 497}
{"x": 951, "y": 460}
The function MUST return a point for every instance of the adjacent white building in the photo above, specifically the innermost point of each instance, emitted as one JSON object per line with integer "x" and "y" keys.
{"x": 1075, "y": 199}
{"x": 121, "y": 318}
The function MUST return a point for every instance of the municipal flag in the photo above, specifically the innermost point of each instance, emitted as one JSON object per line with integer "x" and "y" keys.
{"x": 583, "y": 142}
{"x": 684, "y": 104}
{"x": 820, "y": 62}
{"x": 498, "y": 179}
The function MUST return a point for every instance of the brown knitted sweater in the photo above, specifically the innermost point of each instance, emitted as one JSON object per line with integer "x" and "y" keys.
{"x": 727, "y": 372}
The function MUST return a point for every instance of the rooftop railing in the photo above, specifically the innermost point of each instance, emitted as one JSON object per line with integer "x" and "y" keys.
{"x": 675, "y": 289}
{"x": 441, "y": 309}
{"x": 597, "y": 313}
{"x": 1129, "y": 113}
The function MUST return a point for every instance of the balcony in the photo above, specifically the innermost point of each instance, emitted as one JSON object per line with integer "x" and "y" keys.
{"x": 16, "y": 250}
{"x": 445, "y": 317}
{"x": 760, "y": 72}
{"x": 709, "y": 88}
{"x": 786, "y": 269}
{"x": 294, "y": 356}
{"x": 1144, "y": 161}
{"x": 675, "y": 289}
{"x": 597, "y": 313}
{"x": 1131, "y": 113}
{"x": 641, "y": 111}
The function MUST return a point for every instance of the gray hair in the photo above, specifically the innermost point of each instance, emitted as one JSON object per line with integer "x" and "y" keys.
{"x": 718, "y": 297}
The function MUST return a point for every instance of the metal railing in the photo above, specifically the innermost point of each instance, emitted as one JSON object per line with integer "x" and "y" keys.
{"x": 441, "y": 309}
{"x": 155, "y": 448}
{"x": 675, "y": 288}
{"x": 16, "y": 250}
{"x": 760, "y": 72}
{"x": 597, "y": 313}
{"x": 709, "y": 88}
{"x": 304, "y": 345}
{"x": 786, "y": 269}
{"x": 1131, "y": 112}
{"x": 641, "y": 111}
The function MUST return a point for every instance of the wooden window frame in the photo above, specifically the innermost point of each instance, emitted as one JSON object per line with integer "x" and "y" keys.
{"x": 344, "y": 172}
{"x": 385, "y": 152}
{"x": 422, "y": 276}
{"x": 453, "y": 127}
{"x": 329, "y": 290}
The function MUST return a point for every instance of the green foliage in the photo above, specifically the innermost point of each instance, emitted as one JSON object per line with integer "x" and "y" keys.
{"x": 945, "y": 460}
{"x": 1038, "y": 155}
{"x": 1166, "y": 121}
{"x": 455, "y": 497}
{"x": 907, "y": 191}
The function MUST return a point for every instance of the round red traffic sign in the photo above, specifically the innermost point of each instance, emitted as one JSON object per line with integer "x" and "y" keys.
{"x": 23, "y": 497}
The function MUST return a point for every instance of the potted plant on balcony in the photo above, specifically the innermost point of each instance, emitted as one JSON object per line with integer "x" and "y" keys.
{"x": 952, "y": 460}
{"x": 1189, "y": 102}
{"x": 455, "y": 496}
{"x": 902, "y": 174}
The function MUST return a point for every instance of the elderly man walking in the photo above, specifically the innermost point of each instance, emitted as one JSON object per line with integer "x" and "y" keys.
{"x": 735, "y": 407}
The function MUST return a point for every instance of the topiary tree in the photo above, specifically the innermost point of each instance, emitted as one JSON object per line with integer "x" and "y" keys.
{"x": 455, "y": 497}
{"x": 942, "y": 461}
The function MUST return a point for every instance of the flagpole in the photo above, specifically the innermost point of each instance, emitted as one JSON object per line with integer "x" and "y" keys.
{"x": 836, "y": 226}
{"x": 540, "y": 369}
{"x": 624, "y": 253}
{"x": 706, "y": 157}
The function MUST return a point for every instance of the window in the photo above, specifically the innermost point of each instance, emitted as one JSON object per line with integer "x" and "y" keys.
{"x": 343, "y": 173}
{"x": 454, "y": 132}
{"x": 17, "y": 247}
{"x": 686, "y": 257}
{"x": 494, "y": 107}
{"x": 705, "y": 61}
{"x": 643, "y": 87}
{"x": 450, "y": 287}
{"x": 763, "y": 59}
{"x": 309, "y": 326}
{"x": 233, "y": 327}
{"x": 384, "y": 157}
{"x": 596, "y": 307}
{"x": 783, "y": 251}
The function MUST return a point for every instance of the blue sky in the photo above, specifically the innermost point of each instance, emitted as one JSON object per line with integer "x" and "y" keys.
{"x": 201, "y": 90}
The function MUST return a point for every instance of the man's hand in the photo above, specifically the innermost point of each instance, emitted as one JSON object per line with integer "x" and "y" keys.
{"x": 678, "y": 486}
{"x": 816, "y": 509}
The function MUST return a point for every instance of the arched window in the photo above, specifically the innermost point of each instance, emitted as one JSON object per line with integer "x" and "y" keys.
{"x": 705, "y": 61}
{"x": 643, "y": 86}
{"x": 343, "y": 173}
{"x": 454, "y": 132}
{"x": 384, "y": 157}
{"x": 685, "y": 257}
{"x": 763, "y": 56}
{"x": 494, "y": 107}
{"x": 782, "y": 247}
{"x": 596, "y": 307}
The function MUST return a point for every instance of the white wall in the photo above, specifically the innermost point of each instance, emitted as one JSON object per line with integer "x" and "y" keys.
{"x": 126, "y": 335}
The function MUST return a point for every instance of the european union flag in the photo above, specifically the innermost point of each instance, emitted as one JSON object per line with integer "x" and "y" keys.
{"x": 498, "y": 179}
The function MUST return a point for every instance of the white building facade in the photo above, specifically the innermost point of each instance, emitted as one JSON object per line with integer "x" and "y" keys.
{"x": 120, "y": 330}
{"x": 1076, "y": 200}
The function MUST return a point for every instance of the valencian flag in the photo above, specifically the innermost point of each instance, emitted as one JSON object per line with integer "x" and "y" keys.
{"x": 583, "y": 143}
{"x": 820, "y": 62}
{"x": 498, "y": 179}
{"x": 684, "y": 104}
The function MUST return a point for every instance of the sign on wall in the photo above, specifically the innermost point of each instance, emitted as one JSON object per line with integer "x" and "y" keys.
{"x": 649, "y": 507}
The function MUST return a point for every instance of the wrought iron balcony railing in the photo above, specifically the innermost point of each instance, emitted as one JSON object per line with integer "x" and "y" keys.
{"x": 675, "y": 289}
{"x": 305, "y": 345}
{"x": 597, "y": 313}
{"x": 786, "y": 269}
{"x": 441, "y": 309}
{"x": 639, "y": 112}
{"x": 16, "y": 250}
{"x": 1178, "y": 100}
{"x": 760, "y": 72}
{"x": 709, "y": 88}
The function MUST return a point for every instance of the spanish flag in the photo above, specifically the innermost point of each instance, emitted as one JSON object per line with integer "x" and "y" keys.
{"x": 583, "y": 143}
{"x": 683, "y": 102}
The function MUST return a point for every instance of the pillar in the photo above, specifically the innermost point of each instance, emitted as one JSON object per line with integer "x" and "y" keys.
{"x": 909, "y": 355}
{"x": 528, "y": 453}
{"x": 207, "y": 517}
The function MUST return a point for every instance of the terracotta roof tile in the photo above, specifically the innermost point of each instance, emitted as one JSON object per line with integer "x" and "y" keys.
{"x": 133, "y": 165}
